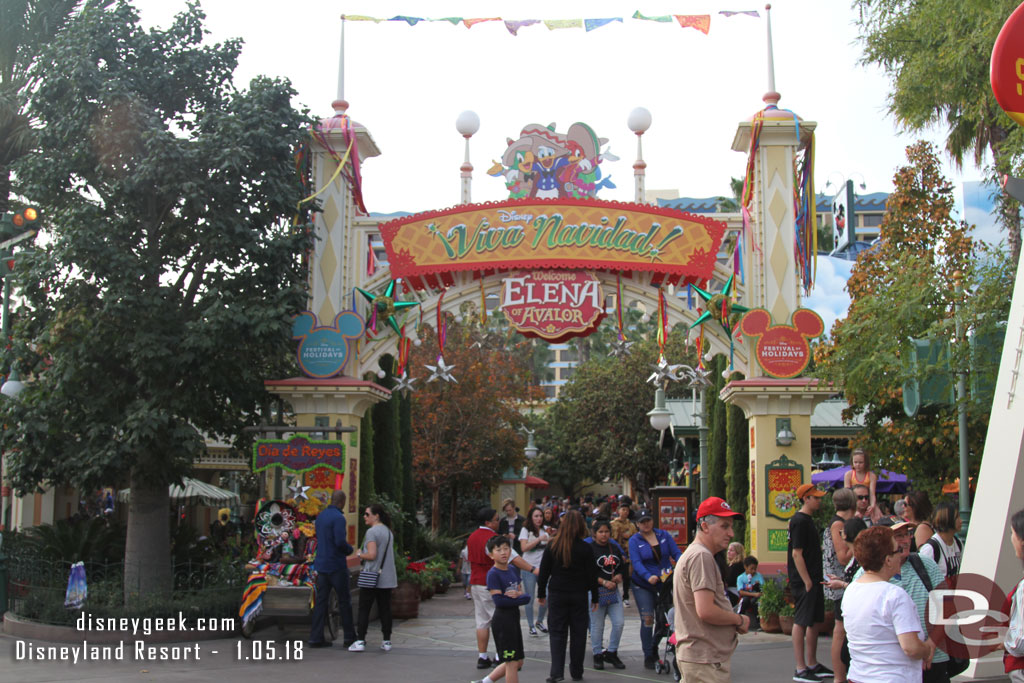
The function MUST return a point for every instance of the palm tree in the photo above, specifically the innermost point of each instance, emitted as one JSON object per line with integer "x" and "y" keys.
{"x": 26, "y": 26}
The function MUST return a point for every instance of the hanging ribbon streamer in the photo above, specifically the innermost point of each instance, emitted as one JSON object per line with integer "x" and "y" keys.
{"x": 662, "y": 321}
{"x": 337, "y": 171}
{"x": 618, "y": 306}
{"x": 689, "y": 296}
{"x": 700, "y": 349}
{"x": 805, "y": 209}
{"x": 404, "y": 343}
{"x": 354, "y": 177}
{"x": 441, "y": 370}
{"x": 441, "y": 326}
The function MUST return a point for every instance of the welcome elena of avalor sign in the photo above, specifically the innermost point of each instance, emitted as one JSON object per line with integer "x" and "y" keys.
{"x": 554, "y": 305}
{"x": 553, "y": 233}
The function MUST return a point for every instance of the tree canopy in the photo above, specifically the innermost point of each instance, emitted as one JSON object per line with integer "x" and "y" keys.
{"x": 903, "y": 289}
{"x": 163, "y": 294}
{"x": 936, "y": 54}
{"x": 465, "y": 434}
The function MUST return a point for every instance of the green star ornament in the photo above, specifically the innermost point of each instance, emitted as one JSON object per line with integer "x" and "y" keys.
{"x": 720, "y": 308}
{"x": 385, "y": 307}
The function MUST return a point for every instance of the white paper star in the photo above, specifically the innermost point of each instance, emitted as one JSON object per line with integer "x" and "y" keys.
{"x": 441, "y": 371}
{"x": 404, "y": 383}
{"x": 298, "y": 491}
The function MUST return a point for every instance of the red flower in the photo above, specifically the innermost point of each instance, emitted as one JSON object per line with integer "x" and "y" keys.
{"x": 415, "y": 567}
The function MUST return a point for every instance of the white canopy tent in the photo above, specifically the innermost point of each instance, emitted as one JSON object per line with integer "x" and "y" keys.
{"x": 192, "y": 492}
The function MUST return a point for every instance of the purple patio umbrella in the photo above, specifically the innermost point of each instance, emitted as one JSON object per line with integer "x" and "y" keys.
{"x": 888, "y": 482}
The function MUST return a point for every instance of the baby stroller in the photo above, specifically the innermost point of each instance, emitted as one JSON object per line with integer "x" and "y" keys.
{"x": 664, "y": 628}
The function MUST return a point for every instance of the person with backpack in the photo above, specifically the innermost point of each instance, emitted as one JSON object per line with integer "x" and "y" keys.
{"x": 944, "y": 548}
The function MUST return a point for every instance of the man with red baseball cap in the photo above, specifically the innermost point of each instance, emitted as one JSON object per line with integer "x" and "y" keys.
{"x": 706, "y": 627}
{"x": 806, "y": 572}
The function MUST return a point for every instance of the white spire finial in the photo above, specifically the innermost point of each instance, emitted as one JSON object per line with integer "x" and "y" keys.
{"x": 771, "y": 97}
{"x": 340, "y": 105}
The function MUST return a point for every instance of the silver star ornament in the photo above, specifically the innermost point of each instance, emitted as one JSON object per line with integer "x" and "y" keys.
{"x": 663, "y": 372}
{"x": 298, "y": 491}
{"x": 441, "y": 371}
{"x": 620, "y": 348}
{"x": 404, "y": 383}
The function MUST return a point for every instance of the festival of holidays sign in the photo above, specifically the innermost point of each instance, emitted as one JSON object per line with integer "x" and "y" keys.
{"x": 298, "y": 454}
{"x": 554, "y": 305}
{"x": 783, "y": 351}
{"x": 562, "y": 233}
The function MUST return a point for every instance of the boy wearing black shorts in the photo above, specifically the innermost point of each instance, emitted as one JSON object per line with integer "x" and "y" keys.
{"x": 506, "y": 590}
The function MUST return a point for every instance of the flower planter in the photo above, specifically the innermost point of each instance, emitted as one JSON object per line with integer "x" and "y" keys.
{"x": 405, "y": 600}
{"x": 442, "y": 587}
{"x": 786, "y": 625}
{"x": 770, "y": 624}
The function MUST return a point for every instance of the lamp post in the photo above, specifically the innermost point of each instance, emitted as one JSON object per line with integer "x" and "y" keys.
{"x": 697, "y": 380}
{"x": 961, "y": 407}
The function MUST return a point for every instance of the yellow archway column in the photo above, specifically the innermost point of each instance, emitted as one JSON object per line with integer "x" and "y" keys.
{"x": 776, "y": 468}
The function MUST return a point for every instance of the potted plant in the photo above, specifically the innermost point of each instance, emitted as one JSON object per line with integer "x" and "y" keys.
{"x": 786, "y": 618}
{"x": 405, "y": 598}
{"x": 440, "y": 573}
{"x": 770, "y": 605}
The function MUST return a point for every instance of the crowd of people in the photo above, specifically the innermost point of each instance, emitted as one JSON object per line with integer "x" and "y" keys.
{"x": 574, "y": 565}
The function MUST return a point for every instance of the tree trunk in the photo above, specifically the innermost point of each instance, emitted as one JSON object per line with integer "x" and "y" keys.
{"x": 435, "y": 508}
{"x": 147, "y": 552}
{"x": 452, "y": 509}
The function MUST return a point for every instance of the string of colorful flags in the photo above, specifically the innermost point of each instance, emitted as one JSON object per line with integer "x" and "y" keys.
{"x": 700, "y": 22}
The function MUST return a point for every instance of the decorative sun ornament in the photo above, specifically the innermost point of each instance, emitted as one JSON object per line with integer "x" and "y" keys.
{"x": 720, "y": 308}
{"x": 441, "y": 371}
{"x": 385, "y": 307}
{"x": 404, "y": 383}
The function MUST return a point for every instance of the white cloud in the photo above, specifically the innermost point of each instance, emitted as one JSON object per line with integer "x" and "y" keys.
{"x": 829, "y": 298}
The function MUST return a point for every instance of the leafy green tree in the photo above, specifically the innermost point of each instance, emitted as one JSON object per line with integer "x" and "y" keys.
{"x": 737, "y": 473}
{"x": 387, "y": 476}
{"x": 936, "y": 54}
{"x": 717, "y": 435}
{"x": 367, "y": 492}
{"x": 602, "y": 415}
{"x": 408, "y": 481}
{"x": 903, "y": 289}
{"x": 465, "y": 433}
{"x": 165, "y": 292}
{"x": 559, "y": 462}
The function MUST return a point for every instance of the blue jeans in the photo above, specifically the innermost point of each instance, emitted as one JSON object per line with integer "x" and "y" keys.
{"x": 614, "y": 611}
{"x": 530, "y": 586}
{"x": 645, "y": 602}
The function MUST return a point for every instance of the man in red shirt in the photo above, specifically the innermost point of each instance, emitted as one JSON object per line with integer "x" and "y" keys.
{"x": 479, "y": 563}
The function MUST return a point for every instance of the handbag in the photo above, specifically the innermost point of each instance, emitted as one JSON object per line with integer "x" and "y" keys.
{"x": 607, "y": 596}
{"x": 369, "y": 579}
